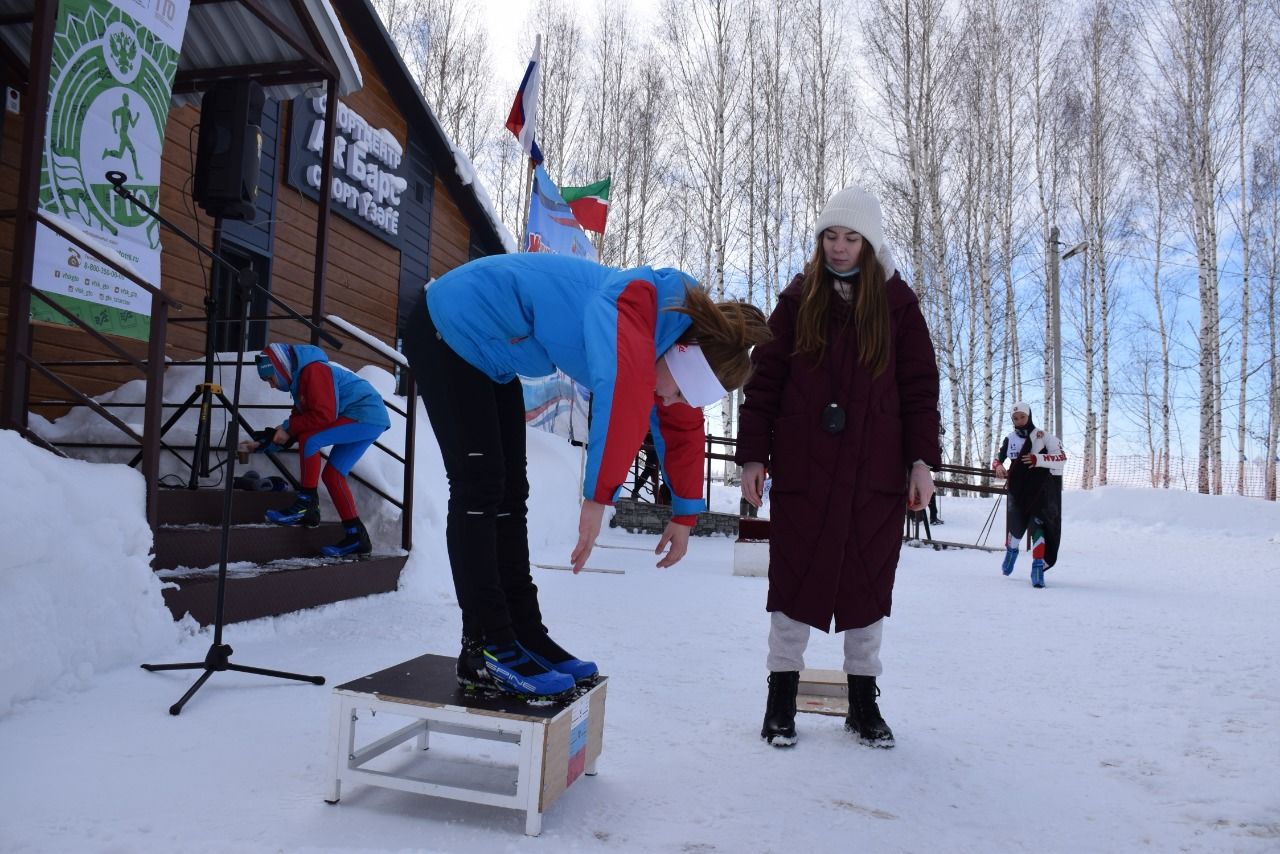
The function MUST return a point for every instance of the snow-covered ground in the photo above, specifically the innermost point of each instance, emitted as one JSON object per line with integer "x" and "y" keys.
{"x": 1133, "y": 705}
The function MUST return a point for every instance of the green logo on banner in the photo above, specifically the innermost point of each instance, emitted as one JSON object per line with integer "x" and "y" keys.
{"x": 109, "y": 100}
{"x": 110, "y": 85}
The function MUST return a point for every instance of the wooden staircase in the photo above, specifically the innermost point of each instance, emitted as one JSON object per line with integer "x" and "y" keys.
{"x": 271, "y": 569}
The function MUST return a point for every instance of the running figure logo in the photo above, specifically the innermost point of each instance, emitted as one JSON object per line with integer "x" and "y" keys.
{"x": 122, "y": 120}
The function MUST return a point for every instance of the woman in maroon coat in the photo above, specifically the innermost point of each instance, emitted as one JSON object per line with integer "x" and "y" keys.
{"x": 842, "y": 410}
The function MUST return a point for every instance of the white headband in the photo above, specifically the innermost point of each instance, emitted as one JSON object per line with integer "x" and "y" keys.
{"x": 693, "y": 375}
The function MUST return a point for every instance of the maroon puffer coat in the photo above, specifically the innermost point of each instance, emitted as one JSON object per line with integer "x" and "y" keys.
{"x": 838, "y": 501}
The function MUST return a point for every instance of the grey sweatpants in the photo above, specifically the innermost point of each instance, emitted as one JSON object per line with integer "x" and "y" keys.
{"x": 788, "y": 639}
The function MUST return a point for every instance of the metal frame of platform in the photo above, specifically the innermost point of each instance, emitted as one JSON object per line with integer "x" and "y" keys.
{"x": 558, "y": 741}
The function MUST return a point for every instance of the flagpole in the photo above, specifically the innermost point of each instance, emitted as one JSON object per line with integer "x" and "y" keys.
{"x": 524, "y": 210}
{"x": 528, "y": 178}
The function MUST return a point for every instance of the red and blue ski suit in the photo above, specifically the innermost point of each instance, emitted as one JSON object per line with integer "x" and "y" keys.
{"x": 480, "y": 326}
{"x": 332, "y": 407}
{"x": 530, "y": 314}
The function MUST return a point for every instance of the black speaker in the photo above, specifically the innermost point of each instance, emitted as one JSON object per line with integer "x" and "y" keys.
{"x": 230, "y": 148}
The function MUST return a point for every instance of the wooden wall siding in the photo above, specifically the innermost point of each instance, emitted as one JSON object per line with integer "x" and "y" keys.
{"x": 450, "y": 233}
{"x": 416, "y": 214}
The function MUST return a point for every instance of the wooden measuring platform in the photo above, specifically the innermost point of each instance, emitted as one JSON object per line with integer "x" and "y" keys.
{"x": 557, "y": 741}
{"x": 823, "y": 692}
{"x": 751, "y": 549}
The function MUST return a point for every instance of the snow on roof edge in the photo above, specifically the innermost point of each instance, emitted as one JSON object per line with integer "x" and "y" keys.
{"x": 467, "y": 173}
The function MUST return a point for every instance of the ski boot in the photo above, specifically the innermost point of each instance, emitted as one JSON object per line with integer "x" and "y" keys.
{"x": 1010, "y": 558}
{"x": 304, "y": 512}
{"x": 1037, "y": 572}
{"x": 356, "y": 541}
{"x": 472, "y": 672}
{"x": 514, "y": 670}
{"x": 542, "y": 649}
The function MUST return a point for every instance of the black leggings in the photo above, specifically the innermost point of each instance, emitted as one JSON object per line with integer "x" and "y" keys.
{"x": 480, "y": 427}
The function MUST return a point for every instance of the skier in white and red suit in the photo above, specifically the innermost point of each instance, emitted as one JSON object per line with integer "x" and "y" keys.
{"x": 1036, "y": 461}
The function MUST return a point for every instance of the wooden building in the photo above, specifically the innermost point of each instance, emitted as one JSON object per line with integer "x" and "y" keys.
{"x": 333, "y": 78}
{"x": 370, "y": 270}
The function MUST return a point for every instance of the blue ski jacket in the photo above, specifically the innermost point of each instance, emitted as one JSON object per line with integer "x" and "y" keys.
{"x": 530, "y": 314}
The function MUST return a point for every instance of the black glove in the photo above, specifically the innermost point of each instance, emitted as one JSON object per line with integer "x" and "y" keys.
{"x": 266, "y": 440}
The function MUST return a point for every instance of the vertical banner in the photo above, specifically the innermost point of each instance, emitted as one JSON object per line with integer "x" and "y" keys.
{"x": 110, "y": 83}
{"x": 552, "y": 225}
{"x": 556, "y": 403}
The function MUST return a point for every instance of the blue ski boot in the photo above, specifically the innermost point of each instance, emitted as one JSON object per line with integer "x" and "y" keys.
{"x": 356, "y": 541}
{"x": 549, "y": 654}
{"x": 514, "y": 670}
{"x": 304, "y": 512}
{"x": 1037, "y": 573}
{"x": 1010, "y": 558}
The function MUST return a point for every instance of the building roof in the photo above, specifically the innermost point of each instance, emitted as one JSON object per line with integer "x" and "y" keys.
{"x": 288, "y": 46}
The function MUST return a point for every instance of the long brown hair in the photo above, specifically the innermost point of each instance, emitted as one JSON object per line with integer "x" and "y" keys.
{"x": 870, "y": 314}
{"x": 726, "y": 331}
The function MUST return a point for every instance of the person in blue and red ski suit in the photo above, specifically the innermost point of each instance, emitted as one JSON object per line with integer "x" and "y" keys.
{"x": 651, "y": 347}
{"x": 331, "y": 407}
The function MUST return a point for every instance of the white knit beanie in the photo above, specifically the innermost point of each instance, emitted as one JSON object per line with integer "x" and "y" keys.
{"x": 854, "y": 208}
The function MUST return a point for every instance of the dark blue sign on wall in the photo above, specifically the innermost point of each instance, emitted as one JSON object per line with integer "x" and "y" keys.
{"x": 368, "y": 182}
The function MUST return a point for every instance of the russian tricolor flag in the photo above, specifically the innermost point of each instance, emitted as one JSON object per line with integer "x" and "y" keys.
{"x": 523, "y": 117}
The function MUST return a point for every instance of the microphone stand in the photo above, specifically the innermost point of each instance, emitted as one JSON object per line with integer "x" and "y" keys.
{"x": 218, "y": 657}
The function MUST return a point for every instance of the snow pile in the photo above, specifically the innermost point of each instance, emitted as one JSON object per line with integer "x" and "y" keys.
{"x": 75, "y": 576}
{"x": 1164, "y": 510}
{"x": 77, "y": 586}
{"x": 1130, "y": 706}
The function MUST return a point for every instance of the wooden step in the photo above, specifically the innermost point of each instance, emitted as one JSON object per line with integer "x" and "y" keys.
{"x": 273, "y": 569}
{"x": 204, "y": 506}
{"x": 198, "y": 546}
{"x": 281, "y": 587}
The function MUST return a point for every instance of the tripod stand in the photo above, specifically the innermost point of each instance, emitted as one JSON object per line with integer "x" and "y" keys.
{"x": 207, "y": 390}
{"x": 218, "y": 657}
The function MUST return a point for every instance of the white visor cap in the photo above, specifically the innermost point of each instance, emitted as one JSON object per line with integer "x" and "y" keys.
{"x": 692, "y": 373}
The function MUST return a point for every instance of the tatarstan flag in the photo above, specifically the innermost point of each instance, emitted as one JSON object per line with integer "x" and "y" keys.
{"x": 590, "y": 204}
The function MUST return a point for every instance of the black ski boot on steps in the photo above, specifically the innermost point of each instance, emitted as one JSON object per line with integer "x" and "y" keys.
{"x": 355, "y": 541}
{"x": 864, "y": 715}
{"x": 780, "y": 711}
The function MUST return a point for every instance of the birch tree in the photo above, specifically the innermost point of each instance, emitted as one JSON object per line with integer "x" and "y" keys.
{"x": 1043, "y": 105}
{"x": 704, "y": 65}
{"x": 1266, "y": 195}
{"x": 609, "y": 83}
{"x": 560, "y": 95}
{"x": 1152, "y": 152}
{"x": 909, "y": 48}
{"x": 445, "y": 46}
{"x": 1248, "y": 72}
{"x": 1191, "y": 42}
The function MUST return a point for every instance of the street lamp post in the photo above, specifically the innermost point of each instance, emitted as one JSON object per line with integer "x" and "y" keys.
{"x": 1056, "y": 312}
